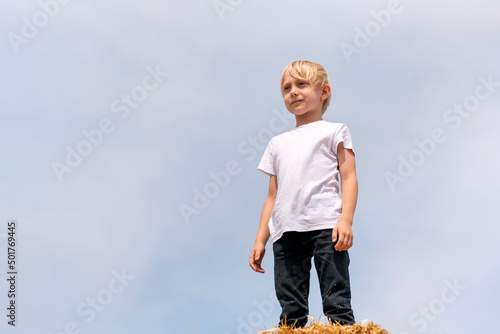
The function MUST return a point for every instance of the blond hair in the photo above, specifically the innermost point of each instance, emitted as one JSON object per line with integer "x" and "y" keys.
{"x": 311, "y": 72}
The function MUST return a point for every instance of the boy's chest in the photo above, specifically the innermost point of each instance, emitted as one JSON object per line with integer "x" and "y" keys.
{"x": 305, "y": 153}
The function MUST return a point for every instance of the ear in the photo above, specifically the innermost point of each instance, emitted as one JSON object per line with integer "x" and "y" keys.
{"x": 326, "y": 92}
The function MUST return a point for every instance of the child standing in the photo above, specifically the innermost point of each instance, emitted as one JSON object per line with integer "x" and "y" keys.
{"x": 304, "y": 214}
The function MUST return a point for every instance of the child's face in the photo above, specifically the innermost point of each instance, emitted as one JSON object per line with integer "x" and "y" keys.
{"x": 301, "y": 97}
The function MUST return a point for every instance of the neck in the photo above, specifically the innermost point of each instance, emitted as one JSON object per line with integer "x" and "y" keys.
{"x": 308, "y": 117}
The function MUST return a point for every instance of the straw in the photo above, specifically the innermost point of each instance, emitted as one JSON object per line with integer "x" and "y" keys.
{"x": 316, "y": 327}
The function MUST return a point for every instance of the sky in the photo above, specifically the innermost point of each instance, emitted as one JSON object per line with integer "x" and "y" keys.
{"x": 131, "y": 134}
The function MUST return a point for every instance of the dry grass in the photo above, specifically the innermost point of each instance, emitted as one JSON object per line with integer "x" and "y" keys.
{"x": 316, "y": 327}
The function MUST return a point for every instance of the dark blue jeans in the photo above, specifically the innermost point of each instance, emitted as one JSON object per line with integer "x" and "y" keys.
{"x": 292, "y": 266}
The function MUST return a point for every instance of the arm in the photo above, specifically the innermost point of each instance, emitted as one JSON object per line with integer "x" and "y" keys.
{"x": 349, "y": 184}
{"x": 259, "y": 248}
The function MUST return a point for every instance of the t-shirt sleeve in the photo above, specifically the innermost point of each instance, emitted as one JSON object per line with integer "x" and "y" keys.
{"x": 266, "y": 164}
{"x": 343, "y": 135}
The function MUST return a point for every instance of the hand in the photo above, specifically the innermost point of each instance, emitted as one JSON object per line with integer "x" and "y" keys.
{"x": 256, "y": 257}
{"x": 342, "y": 233}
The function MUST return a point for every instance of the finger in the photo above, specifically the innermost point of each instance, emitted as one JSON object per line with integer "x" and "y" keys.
{"x": 252, "y": 260}
{"x": 257, "y": 256}
{"x": 341, "y": 237}
{"x": 334, "y": 234}
{"x": 345, "y": 240}
{"x": 258, "y": 267}
{"x": 351, "y": 241}
{"x": 339, "y": 244}
{"x": 346, "y": 243}
{"x": 252, "y": 264}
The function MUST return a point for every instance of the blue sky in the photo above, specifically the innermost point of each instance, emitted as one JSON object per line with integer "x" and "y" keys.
{"x": 116, "y": 114}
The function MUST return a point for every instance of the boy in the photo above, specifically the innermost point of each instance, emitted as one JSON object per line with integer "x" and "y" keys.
{"x": 303, "y": 213}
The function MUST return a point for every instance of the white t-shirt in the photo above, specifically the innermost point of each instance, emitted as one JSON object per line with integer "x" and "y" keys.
{"x": 305, "y": 163}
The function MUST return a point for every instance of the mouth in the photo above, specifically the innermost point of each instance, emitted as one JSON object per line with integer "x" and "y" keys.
{"x": 296, "y": 101}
